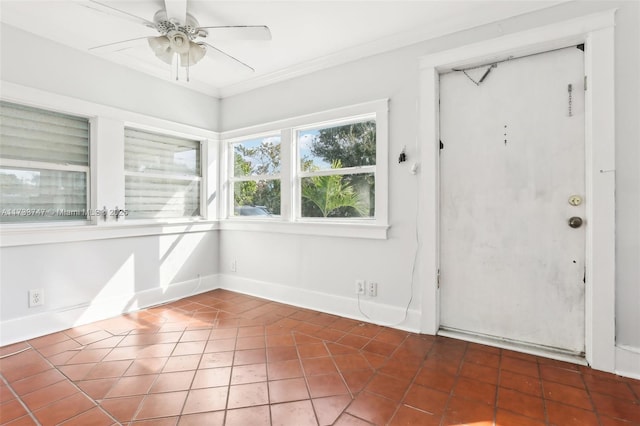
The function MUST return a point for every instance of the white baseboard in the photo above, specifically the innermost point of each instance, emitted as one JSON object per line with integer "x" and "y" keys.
{"x": 29, "y": 327}
{"x": 378, "y": 313}
{"x": 628, "y": 361}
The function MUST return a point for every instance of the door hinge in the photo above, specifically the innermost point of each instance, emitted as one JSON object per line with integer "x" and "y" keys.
{"x": 441, "y": 145}
{"x": 438, "y": 278}
{"x": 585, "y": 83}
{"x": 584, "y": 276}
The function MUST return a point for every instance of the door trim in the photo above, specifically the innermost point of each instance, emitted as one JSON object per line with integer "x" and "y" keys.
{"x": 596, "y": 31}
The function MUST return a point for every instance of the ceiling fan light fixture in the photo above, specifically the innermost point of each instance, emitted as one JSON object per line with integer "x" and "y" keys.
{"x": 161, "y": 46}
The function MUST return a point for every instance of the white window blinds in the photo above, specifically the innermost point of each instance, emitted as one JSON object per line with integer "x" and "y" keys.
{"x": 44, "y": 165}
{"x": 162, "y": 176}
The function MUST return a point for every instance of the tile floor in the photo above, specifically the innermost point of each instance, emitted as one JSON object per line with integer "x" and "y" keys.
{"x": 222, "y": 358}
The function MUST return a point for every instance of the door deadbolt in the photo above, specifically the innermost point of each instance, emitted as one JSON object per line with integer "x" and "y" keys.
{"x": 575, "y": 222}
{"x": 575, "y": 200}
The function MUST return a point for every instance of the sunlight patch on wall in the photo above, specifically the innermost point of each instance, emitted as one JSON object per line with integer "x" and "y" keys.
{"x": 174, "y": 252}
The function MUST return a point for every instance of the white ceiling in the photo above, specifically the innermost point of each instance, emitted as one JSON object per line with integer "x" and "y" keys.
{"x": 306, "y": 35}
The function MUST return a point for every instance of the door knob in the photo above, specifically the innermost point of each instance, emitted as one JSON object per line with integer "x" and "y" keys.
{"x": 575, "y": 222}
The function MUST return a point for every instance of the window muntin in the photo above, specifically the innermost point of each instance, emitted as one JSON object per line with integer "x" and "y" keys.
{"x": 336, "y": 170}
{"x": 44, "y": 165}
{"x": 255, "y": 180}
{"x": 162, "y": 176}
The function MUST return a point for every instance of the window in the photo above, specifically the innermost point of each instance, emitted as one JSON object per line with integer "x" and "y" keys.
{"x": 255, "y": 180}
{"x": 162, "y": 176}
{"x": 44, "y": 165}
{"x": 336, "y": 169}
{"x": 321, "y": 174}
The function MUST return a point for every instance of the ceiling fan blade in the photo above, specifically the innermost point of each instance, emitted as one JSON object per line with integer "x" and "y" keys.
{"x": 176, "y": 10}
{"x": 120, "y": 45}
{"x": 211, "y": 49}
{"x": 238, "y": 32}
{"x": 110, "y": 10}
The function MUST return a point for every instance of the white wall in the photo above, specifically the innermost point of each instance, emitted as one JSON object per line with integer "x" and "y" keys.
{"x": 330, "y": 266}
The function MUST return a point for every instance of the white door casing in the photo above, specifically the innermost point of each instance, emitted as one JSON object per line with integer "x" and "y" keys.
{"x": 511, "y": 267}
{"x": 596, "y": 31}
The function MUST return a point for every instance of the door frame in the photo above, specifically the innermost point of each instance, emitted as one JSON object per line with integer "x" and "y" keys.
{"x": 596, "y": 31}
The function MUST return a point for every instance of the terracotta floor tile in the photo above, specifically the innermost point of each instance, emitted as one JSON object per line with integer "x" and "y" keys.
{"x": 444, "y": 365}
{"x": 250, "y": 373}
{"x": 248, "y": 395}
{"x": 6, "y": 394}
{"x": 388, "y": 386}
{"x": 277, "y": 340}
{"x": 63, "y": 409}
{"x": 518, "y": 402}
{"x": 202, "y": 400}
{"x": 400, "y": 368}
{"x": 37, "y": 381}
{"x": 161, "y": 405}
{"x": 559, "y": 375}
{"x": 475, "y": 390}
{"x": 94, "y": 417}
{"x": 462, "y": 412}
{"x": 22, "y": 421}
{"x": 122, "y": 409}
{"x": 284, "y": 369}
{"x": 104, "y": 370}
{"x": 391, "y": 336}
{"x": 76, "y": 371}
{"x": 195, "y": 335}
{"x": 288, "y": 390}
{"x": 372, "y": 408}
{"x": 172, "y": 382}
{"x": 254, "y": 416}
{"x": 339, "y": 349}
{"x": 11, "y": 410}
{"x": 353, "y": 361}
{"x": 356, "y": 380}
{"x": 480, "y": 372}
{"x": 435, "y": 379}
{"x": 23, "y": 365}
{"x": 616, "y": 408}
{"x": 425, "y": 399}
{"x": 329, "y": 409}
{"x": 615, "y": 388}
{"x": 211, "y": 418}
{"x": 567, "y": 395}
{"x": 249, "y": 356}
{"x": 519, "y": 366}
{"x": 182, "y": 363}
{"x": 13, "y": 348}
{"x": 316, "y": 366}
{"x": 507, "y": 418}
{"x": 313, "y": 350}
{"x": 482, "y": 357}
{"x": 354, "y": 341}
{"x": 97, "y": 388}
{"x": 221, "y": 345}
{"x": 298, "y": 413}
{"x": 255, "y": 342}
{"x": 49, "y": 394}
{"x": 411, "y": 416}
{"x": 326, "y": 385}
{"x": 189, "y": 348}
{"x": 564, "y": 415}
{"x": 129, "y": 386}
{"x": 48, "y": 340}
{"x": 347, "y": 419}
{"x": 520, "y": 382}
{"x": 281, "y": 353}
{"x": 141, "y": 367}
{"x": 379, "y": 348}
{"x": 211, "y": 377}
{"x": 165, "y": 421}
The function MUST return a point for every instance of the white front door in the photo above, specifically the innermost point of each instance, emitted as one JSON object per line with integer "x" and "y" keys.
{"x": 511, "y": 177}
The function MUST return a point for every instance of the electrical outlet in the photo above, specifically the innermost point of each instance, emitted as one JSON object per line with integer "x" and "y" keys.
{"x": 36, "y": 297}
{"x": 361, "y": 287}
{"x": 372, "y": 289}
{"x": 234, "y": 266}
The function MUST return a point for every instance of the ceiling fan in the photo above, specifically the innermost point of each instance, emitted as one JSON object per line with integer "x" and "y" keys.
{"x": 181, "y": 38}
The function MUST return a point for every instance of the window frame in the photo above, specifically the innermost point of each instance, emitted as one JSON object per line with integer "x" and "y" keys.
{"x": 64, "y": 167}
{"x": 201, "y": 178}
{"x": 290, "y": 221}
{"x": 232, "y": 178}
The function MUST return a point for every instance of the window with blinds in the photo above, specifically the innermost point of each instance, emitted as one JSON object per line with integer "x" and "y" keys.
{"x": 162, "y": 176}
{"x": 44, "y": 165}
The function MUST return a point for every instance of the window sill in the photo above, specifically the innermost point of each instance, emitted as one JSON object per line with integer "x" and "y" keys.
{"x": 35, "y": 234}
{"x": 315, "y": 228}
